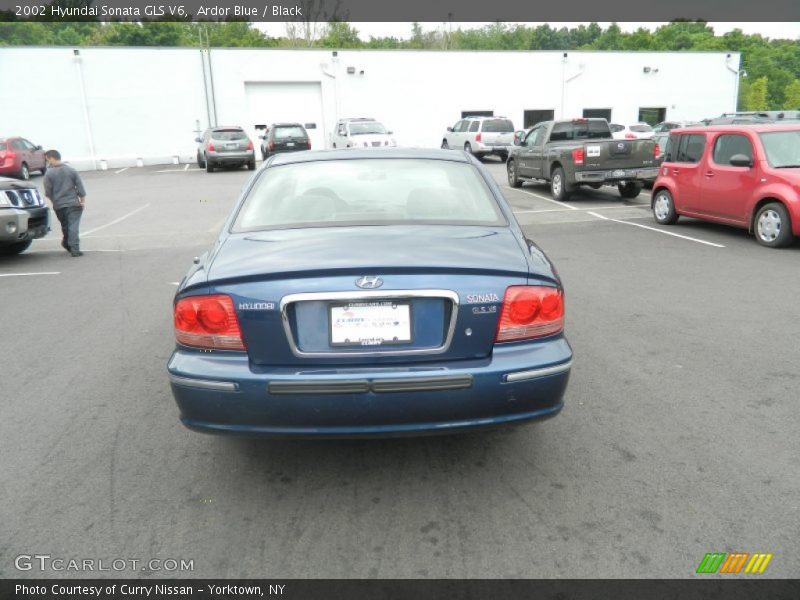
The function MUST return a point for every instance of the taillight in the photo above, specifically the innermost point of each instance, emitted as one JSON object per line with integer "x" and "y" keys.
{"x": 577, "y": 156}
{"x": 530, "y": 311}
{"x": 208, "y": 322}
{"x": 478, "y": 138}
{"x": 211, "y": 147}
{"x": 309, "y": 144}
{"x": 656, "y": 151}
{"x": 630, "y": 136}
{"x": 249, "y": 145}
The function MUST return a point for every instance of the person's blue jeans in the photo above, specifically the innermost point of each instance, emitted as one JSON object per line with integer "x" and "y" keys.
{"x": 70, "y": 219}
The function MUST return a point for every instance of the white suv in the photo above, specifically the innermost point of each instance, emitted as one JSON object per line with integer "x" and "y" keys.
{"x": 481, "y": 136}
{"x": 361, "y": 133}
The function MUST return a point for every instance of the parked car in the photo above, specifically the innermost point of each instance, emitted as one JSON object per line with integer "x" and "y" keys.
{"x": 637, "y": 131}
{"x": 18, "y": 157}
{"x": 740, "y": 120}
{"x": 361, "y": 133}
{"x": 369, "y": 293}
{"x": 481, "y": 136}
{"x": 225, "y": 146}
{"x": 742, "y": 175}
{"x": 666, "y": 126}
{"x": 284, "y": 137}
{"x": 579, "y": 152}
{"x": 24, "y": 215}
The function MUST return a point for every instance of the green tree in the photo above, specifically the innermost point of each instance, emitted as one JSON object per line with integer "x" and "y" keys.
{"x": 792, "y": 96}
{"x": 756, "y": 95}
{"x": 340, "y": 35}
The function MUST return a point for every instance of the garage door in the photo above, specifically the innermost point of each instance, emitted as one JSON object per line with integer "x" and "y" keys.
{"x": 281, "y": 102}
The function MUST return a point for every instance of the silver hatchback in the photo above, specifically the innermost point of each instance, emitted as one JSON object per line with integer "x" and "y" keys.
{"x": 225, "y": 146}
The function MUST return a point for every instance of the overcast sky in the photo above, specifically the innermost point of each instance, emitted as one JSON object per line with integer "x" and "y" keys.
{"x": 403, "y": 30}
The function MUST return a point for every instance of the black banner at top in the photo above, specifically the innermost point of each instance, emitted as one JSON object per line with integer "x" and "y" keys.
{"x": 440, "y": 11}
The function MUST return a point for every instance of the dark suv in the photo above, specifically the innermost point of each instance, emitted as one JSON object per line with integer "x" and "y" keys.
{"x": 24, "y": 215}
{"x": 284, "y": 137}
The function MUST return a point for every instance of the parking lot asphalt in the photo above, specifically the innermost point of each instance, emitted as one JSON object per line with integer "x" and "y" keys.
{"x": 678, "y": 437}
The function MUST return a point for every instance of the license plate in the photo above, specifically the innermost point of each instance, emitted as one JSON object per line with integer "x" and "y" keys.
{"x": 289, "y": 144}
{"x": 370, "y": 323}
{"x": 618, "y": 173}
{"x": 231, "y": 146}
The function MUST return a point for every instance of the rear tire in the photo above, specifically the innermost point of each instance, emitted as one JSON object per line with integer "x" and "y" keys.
{"x": 17, "y": 248}
{"x": 468, "y": 148}
{"x": 200, "y": 162}
{"x": 772, "y": 226}
{"x": 251, "y": 166}
{"x": 513, "y": 179}
{"x": 630, "y": 190}
{"x": 24, "y": 172}
{"x": 664, "y": 208}
{"x": 209, "y": 166}
{"x": 558, "y": 185}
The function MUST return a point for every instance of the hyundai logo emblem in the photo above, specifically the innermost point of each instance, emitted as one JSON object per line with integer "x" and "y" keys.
{"x": 621, "y": 145}
{"x": 369, "y": 282}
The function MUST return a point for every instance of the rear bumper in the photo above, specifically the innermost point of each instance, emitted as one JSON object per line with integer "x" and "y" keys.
{"x": 220, "y": 393}
{"x": 231, "y": 157}
{"x": 484, "y": 149}
{"x": 616, "y": 175}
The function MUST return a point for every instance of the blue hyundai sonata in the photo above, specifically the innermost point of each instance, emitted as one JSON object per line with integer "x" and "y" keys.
{"x": 369, "y": 293}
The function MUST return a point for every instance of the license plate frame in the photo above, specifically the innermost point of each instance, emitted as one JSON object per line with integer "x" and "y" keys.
{"x": 346, "y": 335}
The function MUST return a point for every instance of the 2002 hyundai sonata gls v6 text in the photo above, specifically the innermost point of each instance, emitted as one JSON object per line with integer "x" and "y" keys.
{"x": 369, "y": 293}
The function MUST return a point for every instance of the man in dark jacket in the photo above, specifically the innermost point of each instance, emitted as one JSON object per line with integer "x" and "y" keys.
{"x": 64, "y": 188}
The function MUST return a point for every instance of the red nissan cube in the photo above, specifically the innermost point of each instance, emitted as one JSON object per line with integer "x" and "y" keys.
{"x": 747, "y": 176}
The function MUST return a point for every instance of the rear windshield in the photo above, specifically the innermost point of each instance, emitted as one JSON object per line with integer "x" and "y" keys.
{"x": 366, "y": 128}
{"x": 282, "y": 133}
{"x": 591, "y": 130}
{"x": 228, "y": 134}
{"x": 498, "y": 126}
{"x": 782, "y": 148}
{"x": 368, "y": 192}
{"x": 616, "y": 128}
{"x": 642, "y": 128}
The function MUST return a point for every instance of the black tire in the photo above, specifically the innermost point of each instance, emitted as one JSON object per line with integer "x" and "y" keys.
{"x": 24, "y": 172}
{"x": 209, "y": 166}
{"x": 772, "y": 226}
{"x": 445, "y": 145}
{"x": 468, "y": 148}
{"x": 595, "y": 186}
{"x": 503, "y": 156}
{"x": 664, "y": 208}
{"x": 629, "y": 190}
{"x": 513, "y": 180}
{"x": 263, "y": 155}
{"x": 17, "y": 248}
{"x": 200, "y": 162}
{"x": 43, "y": 170}
{"x": 251, "y": 165}
{"x": 558, "y": 185}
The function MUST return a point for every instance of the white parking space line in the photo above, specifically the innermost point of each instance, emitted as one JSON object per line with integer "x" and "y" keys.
{"x": 550, "y": 210}
{"x": 683, "y": 237}
{"x": 29, "y": 274}
{"x": 535, "y": 195}
{"x": 115, "y": 221}
{"x": 121, "y": 170}
{"x": 186, "y": 168}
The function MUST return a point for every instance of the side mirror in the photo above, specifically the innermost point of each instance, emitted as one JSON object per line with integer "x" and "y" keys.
{"x": 741, "y": 160}
{"x": 450, "y": 129}
{"x": 198, "y": 140}
{"x": 37, "y": 147}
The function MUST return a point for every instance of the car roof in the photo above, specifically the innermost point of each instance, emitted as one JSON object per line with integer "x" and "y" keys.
{"x": 286, "y": 158}
{"x": 483, "y": 117}
{"x": 224, "y": 127}
{"x": 757, "y": 127}
{"x": 287, "y": 125}
{"x": 350, "y": 120}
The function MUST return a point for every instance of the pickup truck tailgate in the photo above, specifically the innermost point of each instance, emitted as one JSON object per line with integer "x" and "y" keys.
{"x": 618, "y": 154}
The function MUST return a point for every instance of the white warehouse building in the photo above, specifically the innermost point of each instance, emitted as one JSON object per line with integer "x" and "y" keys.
{"x": 118, "y": 107}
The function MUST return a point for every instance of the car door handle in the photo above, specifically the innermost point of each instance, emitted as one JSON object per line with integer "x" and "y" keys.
{"x": 675, "y": 171}
{"x": 709, "y": 174}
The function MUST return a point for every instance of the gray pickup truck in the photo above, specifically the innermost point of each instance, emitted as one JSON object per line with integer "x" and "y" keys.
{"x": 578, "y": 152}
{"x": 24, "y": 215}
